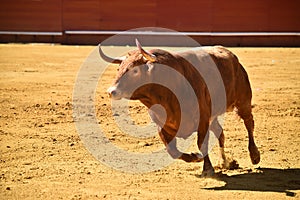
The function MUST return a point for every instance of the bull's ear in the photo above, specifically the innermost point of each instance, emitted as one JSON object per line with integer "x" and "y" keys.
{"x": 149, "y": 56}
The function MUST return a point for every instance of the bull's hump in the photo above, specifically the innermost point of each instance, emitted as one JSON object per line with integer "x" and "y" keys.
{"x": 218, "y": 51}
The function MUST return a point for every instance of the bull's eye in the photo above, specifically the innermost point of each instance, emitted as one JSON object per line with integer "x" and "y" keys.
{"x": 135, "y": 71}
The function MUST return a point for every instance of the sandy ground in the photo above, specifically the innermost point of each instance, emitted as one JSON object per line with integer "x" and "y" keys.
{"x": 42, "y": 156}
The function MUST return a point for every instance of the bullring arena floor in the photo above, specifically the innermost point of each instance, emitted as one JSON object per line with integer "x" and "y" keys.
{"x": 42, "y": 156}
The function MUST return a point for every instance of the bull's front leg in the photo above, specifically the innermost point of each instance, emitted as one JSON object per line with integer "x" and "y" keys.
{"x": 170, "y": 143}
{"x": 203, "y": 139}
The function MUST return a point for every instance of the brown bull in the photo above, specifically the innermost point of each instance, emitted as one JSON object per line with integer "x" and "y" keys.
{"x": 144, "y": 75}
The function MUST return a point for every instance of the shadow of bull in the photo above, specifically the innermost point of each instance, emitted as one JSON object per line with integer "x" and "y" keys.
{"x": 266, "y": 180}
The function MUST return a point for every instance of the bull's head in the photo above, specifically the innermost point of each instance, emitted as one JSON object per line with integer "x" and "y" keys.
{"x": 134, "y": 72}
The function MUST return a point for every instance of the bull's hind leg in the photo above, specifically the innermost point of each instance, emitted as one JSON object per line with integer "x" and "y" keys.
{"x": 244, "y": 111}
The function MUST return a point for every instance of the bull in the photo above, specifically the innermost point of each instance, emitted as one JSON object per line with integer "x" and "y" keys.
{"x": 141, "y": 70}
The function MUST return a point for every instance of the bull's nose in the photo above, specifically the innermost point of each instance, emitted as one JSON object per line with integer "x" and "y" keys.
{"x": 112, "y": 91}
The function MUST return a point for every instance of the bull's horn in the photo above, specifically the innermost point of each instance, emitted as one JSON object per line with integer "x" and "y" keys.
{"x": 109, "y": 59}
{"x": 149, "y": 56}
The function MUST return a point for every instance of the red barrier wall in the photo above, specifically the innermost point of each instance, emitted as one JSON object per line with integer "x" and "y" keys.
{"x": 48, "y": 20}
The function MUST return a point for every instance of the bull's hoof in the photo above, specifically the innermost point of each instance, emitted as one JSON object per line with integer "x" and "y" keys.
{"x": 193, "y": 157}
{"x": 208, "y": 173}
{"x": 254, "y": 155}
{"x": 197, "y": 157}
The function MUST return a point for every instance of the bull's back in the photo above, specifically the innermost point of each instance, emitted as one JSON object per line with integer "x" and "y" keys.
{"x": 234, "y": 76}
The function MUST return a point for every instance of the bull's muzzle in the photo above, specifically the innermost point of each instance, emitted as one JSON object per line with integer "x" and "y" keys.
{"x": 113, "y": 93}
